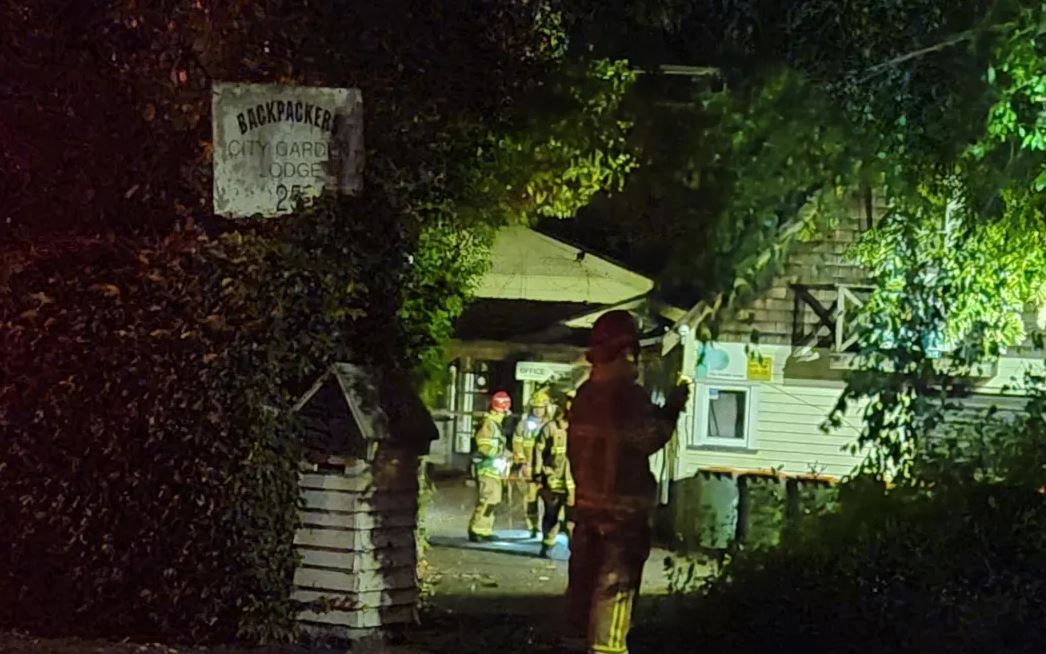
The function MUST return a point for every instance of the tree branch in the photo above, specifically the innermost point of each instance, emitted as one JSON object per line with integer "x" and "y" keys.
{"x": 955, "y": 39}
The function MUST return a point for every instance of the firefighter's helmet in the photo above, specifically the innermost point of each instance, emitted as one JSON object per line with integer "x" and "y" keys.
{"x": 501, "y": 401}
{"x": 614, "y": 332}
{"x": 540, "y": 398}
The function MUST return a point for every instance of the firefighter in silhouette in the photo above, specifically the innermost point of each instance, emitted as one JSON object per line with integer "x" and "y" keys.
{"x": 489, "y": 460}
{"x": 525, "y": 455}
{"x": 613, "y": 430}
{"x": 557, "y": 484}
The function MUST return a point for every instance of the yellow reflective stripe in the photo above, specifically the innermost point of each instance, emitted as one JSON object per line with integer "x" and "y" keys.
{"x": 619, "y": 623}
{"x": 616, "y": 627}
{"x": 615, "y": 620}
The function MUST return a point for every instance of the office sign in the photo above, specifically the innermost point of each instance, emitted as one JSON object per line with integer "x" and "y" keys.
{"x": 542, "y": 371}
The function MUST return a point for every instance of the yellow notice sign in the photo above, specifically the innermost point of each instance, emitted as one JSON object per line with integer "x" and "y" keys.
{"x": 760, "y": 368}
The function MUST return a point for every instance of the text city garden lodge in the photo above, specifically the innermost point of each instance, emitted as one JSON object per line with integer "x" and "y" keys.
{"x": 285, "y": 111}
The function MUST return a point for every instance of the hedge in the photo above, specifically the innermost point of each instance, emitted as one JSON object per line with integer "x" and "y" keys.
{"x": 146, "y": 490}
{"x": 963, "y": 570}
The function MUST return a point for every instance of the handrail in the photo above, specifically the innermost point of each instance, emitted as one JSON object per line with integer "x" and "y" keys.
{"x": 767, "y": 474}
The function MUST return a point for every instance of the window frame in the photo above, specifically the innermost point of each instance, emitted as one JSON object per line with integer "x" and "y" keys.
{"x": 702, "y": 412}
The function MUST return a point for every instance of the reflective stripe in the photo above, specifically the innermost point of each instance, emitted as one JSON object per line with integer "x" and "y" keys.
{"x": 616, "y": 627}
{"x": 620, "y": 626}
{"x": 615, "y": 503}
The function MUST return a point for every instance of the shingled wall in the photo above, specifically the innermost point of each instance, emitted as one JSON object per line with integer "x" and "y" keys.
{"x": 821, "y": 261}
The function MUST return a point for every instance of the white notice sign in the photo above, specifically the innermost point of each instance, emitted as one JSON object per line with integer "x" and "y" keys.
{"x": 542, "y": 371}
{"x": 275, "y": 143}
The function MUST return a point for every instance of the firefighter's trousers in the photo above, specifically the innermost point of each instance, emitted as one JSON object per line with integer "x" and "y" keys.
{"x": 488, "y": 496}
{"x": 606, "y": 568}
{"x": 554, "y": 502}
{"x": 531, "y": 490}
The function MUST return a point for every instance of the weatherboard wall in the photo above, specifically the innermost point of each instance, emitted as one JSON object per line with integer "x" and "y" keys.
{"x": 788, "y": 414}
{"x": 358, "y": 567}
{"x": 785, "y": 421}
{"x": 787, "y": 435}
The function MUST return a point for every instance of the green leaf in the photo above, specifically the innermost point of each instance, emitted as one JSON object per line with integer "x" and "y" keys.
{"x": 1040, "y": 181}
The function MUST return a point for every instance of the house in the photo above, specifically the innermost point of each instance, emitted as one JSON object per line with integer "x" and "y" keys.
{"x": 528, "y": 327}
{"x": 757, "y": 409}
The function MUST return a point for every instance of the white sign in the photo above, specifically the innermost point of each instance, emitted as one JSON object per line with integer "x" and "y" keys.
{"x": 726, "y": 361}
{"x": 274, "y": 144}
{"x": 541, "y": 371}
{"x": 738, "y": 361}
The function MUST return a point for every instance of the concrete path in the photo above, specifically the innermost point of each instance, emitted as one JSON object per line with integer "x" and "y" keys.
{"x": 510, "y": 567}
{"x": 497, "y": 598}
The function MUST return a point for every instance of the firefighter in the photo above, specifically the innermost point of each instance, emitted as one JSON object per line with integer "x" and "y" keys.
{"x": 568, "y": 510}
{"x": 557, "y": 484}
{"x": 489, "y": 464}
{"x": 613, "y": 430}
{"x": 524, "y": 455}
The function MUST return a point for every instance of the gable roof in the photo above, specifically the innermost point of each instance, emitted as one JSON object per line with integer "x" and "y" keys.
{"x": 383, "y": 404}
{"x": 513, "y": 320}
{"x": 528, "y": 265}
{"x": 357, "y": 392}
{"x": 644, "y": 305}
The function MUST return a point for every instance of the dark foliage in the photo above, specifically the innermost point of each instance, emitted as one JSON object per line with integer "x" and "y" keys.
{"x": 149, "y": 350}
{"x": 106, "y": 106}
{"x": 146, "y": 491}
{"x": 899, "y": 571}
{"x": 149, "y": 488}
{"x": 952, "y": 559}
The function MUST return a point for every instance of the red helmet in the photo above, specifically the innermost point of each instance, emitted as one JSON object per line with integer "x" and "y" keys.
{"x": 501, "y": 401}
{"x": 613, "y": 332}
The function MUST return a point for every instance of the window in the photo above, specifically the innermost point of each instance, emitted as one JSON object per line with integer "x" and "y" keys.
{"x": 726, "y": 414}
{"x": 723, "y": 417}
